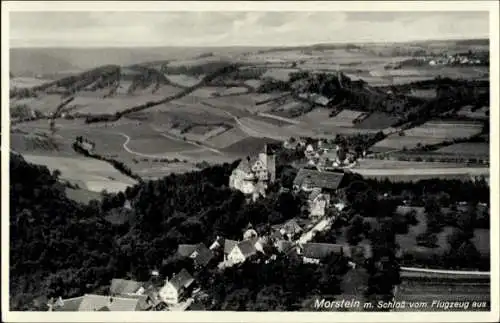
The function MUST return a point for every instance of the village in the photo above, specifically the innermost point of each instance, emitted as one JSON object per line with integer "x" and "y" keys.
{"x": 319, "y": 180}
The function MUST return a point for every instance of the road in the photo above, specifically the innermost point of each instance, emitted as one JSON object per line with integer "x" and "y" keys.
{"x": 177, "y": 155}
{"x": 272, "y": 116}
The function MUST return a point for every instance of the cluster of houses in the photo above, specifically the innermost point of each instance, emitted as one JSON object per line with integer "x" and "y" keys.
{"x": 177, "y": 292}
{"x": 456, "y": 59}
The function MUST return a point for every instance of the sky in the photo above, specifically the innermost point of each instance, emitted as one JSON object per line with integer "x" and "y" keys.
{"x": 238, "y": 28}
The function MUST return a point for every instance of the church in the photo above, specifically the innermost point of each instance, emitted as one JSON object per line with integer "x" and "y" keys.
{"x": 253, "y": 174}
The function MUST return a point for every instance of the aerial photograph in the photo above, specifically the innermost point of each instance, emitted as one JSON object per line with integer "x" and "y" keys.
{"x": 272, "y": 161}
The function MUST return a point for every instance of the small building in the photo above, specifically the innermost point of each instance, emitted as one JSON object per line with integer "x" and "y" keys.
{"x": 174, "y": 289}
{"x": 316, "y": 252}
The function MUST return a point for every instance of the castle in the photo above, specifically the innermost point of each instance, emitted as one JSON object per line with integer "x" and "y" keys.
{"x": 253, "y": 174}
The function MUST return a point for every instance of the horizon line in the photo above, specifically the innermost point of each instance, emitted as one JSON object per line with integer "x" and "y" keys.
{"x": 256, "y": 46}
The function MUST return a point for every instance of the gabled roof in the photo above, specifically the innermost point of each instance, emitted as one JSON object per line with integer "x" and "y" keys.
{"x": 186, "y": 250}
{"x": 315, "y": 178}
{"x": 182, "y": 280}
{"x": 202, "y": 255}
{"x": 229, "y": 245}
{"x": 124, "y": 286}
{"x": 90, "y": 302}
{"x": 324, "y": 250}
{"x": 247, "y": 247}
{"x": 292, "y": 227}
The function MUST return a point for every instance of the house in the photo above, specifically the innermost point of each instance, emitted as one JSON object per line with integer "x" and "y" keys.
{"x": 255, "y": 170}
{"x": 242, "y": 251}
{"x": 175, "y": 288}
{"x": 126, "y": 287}
{"x": 90, "y": 302}
{"x": 318, "y": 203}
{"x": 228, "y": 247}
{"x": 308, "y": 179}
{"x": 316, "y": 252}
{"x": 198, "y": 252}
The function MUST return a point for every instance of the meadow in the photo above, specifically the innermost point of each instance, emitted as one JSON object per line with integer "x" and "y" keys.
{"x": 481, "y": 113}
{"x": 95, "y": 175}
{"x": 432, "y": 132}
{"x": 477, "y": 149}
{"x": 377, "y": 120}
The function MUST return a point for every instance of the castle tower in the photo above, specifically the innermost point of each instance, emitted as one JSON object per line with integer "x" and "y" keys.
{"x": 268, "y": 158}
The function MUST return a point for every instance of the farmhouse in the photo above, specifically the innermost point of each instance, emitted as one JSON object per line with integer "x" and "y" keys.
{"x": 175, "y": 288}
{"x": 90, "y": 302}
{"x": 309, "y": 179}
{"x": 316, "y": 252}
{"x": 237, "y": 252}
{"x": 253, "y": 174}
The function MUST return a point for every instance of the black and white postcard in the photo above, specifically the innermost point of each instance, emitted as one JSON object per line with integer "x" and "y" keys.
{"x": 250, "y": 161}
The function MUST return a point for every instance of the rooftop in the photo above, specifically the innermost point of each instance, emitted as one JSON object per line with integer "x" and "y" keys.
{"x": 90, "y": 302}
{"x": 315, "y": 178}
{"x": 182, "y": 280}
{"x": 324, "y": 250}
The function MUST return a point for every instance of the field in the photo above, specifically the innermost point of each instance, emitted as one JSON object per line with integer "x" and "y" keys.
{"x": 226, "y": 138}
{"x": 424, "y": 93}
{"x": 414, "y": 174}
{"x": 417, "y": 291}
{"x": 183, "y": 80}
{"x": 481, "y": 113}
{"x": 396, "y": 164}
{"x": 477, "y": 149}
{"x": 281, "y": 74}
{"x": 430, "y": 133}
{"x": 344, "y": 118}
{"x": 248, "y": 146}
{"x": 82, "y": 195}
{"x": 45, "y": 103}
{"x": 232, "y": 91}
{"x": 26, "y": 82}
{"x": 95, "y": 175}
{"x": 377, "y": 120}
